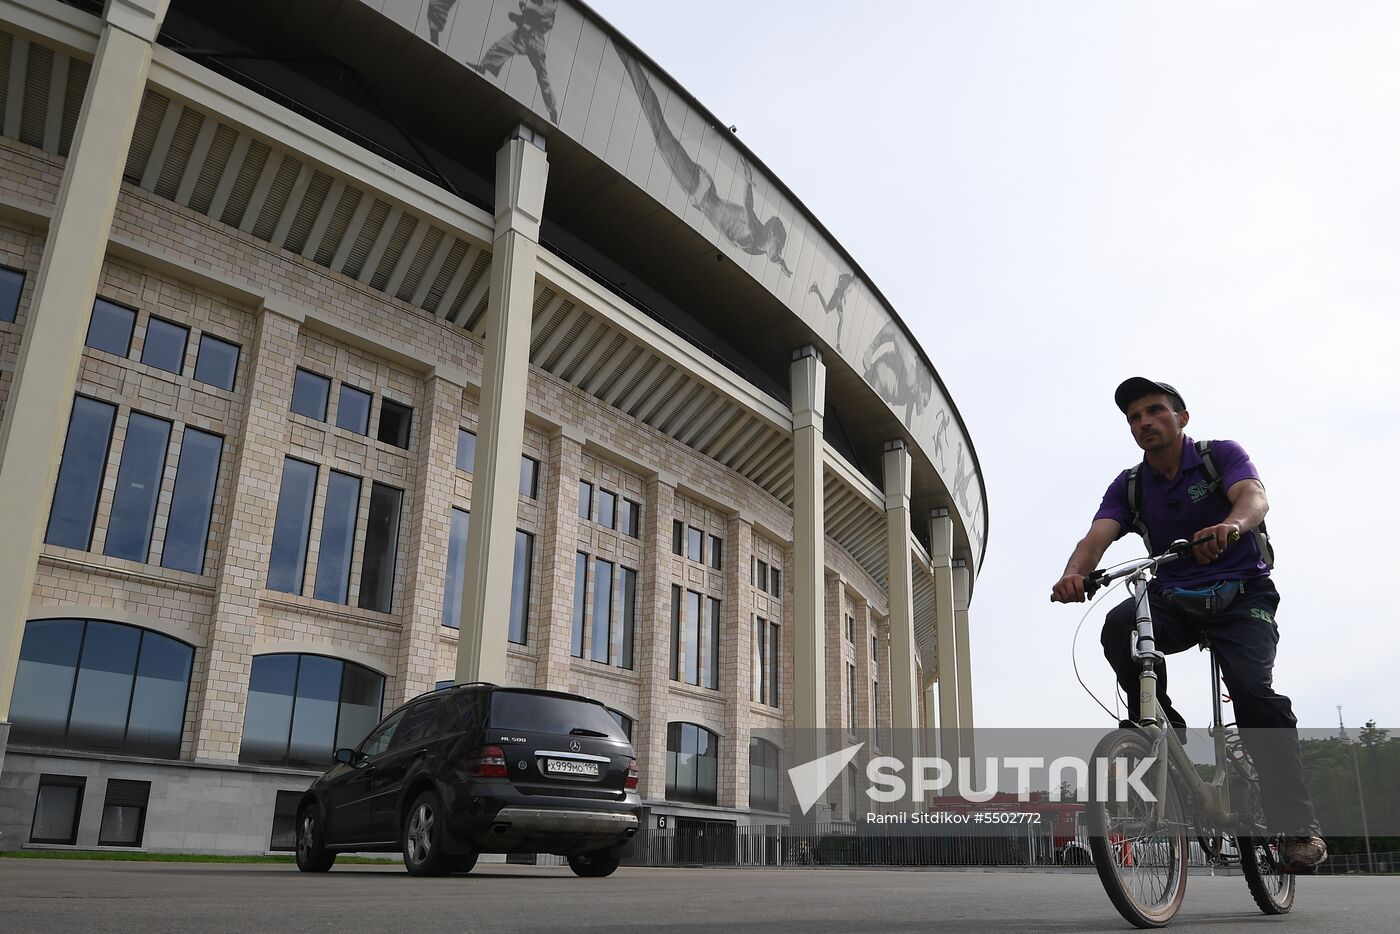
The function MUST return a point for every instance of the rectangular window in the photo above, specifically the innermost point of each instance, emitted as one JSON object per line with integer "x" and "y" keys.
{"x": 381, "y": 548}
{"x": 629, "y": 615}
{"x": 196, "y": 478}
{"x": 138, "y": 487}
{"x": 775, "y": 665}
{"x": 110, "y": 327}
{"x": 716, "y": 553}
{"x": 310, "y": 393}
{"x": 529, "y": 476}
{"x": 456, "y": 568}
{"x": 761, "y": 575}
{"x": 291, "y": 530}
{"x": 124, "y": 813}
{"x": 675, "y": 632}
{"x": 775, "y": 582}
{"x": 607, "y": 508}
{"x": 580, "y": 602}
{"x": 602, "y": 610}
{"x": 56, "y": 809}
{"x": 395, "y": 423}
{"x": 80, "y": 474}
{"x": 352, "y": 410}
{"x": 677, "y": 537}
{"x": 217, "y": 362}
{"x": 630, "y": 520}
{"x": 520, "y": 586}
{"x": 585, "y": 500}
{"x": 165, "y": 345}
{"x": 338, "y": 518}
{"x": 875, "y": 709}
{"x": 11, "y": 286}
{"x": 875, "y": 650}
{"x": 466, "y": 450}
{"x": 851, "y": 629}
{"x": 712, "y": 644}
{"x": 284, "y": 821}
{"x": 759, "y": 666}
{"x": 695, "y": 544}
{"x": 850, "y": 697}
{"x": 692, "y": 637}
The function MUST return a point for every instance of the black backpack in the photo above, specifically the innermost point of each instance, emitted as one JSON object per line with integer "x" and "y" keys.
{"x": 1261, "y": 534}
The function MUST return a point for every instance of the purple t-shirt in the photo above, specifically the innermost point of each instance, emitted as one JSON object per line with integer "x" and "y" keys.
{"x": 1181, "y": 507}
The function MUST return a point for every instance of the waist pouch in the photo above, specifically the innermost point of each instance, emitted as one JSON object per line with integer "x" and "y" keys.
{"x": 1203, "y": 601}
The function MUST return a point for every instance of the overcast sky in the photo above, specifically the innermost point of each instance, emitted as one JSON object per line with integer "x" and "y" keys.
{"x": 1058, "y": 195}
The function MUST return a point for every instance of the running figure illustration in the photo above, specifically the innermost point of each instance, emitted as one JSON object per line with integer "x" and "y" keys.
{"x": 836, "y": 303}
{"x": 533, "y": 22}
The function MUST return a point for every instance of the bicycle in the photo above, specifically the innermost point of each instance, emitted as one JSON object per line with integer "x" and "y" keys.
{"x": 1139, "y": 842}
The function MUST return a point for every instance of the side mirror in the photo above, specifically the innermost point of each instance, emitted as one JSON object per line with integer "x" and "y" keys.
{"x": 345, "y": 756}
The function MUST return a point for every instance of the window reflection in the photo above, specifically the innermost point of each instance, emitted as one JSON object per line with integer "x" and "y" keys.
{"x": 301, "y": 708}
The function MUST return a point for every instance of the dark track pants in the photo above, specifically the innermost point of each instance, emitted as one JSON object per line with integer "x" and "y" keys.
{"x": 1245, "y": 638}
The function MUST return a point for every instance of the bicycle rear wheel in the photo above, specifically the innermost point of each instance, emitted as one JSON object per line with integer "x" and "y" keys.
{"x": 1140, "y": 861}
{"x": 1261, "y": 861}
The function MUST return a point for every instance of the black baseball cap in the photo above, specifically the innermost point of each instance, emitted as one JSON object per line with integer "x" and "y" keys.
{"x": 1133, "y": 389}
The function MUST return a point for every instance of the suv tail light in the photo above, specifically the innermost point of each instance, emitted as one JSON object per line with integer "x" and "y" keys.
{"x": 632, "y": 775}
{"x": 490, "y": 762}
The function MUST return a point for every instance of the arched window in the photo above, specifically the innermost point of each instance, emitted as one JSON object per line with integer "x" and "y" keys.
{"x": 302, "y": 708}
{"x": 692, "y": 764}
{"x": 109, "y": 687}
{"x": 763, "y": 775}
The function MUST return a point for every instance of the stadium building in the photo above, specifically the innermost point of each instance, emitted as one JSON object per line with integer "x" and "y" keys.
{"x": 351, "y": 347}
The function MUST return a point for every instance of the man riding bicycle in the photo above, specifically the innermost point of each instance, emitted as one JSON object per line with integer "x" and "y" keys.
{"x": 1182, "y": 490}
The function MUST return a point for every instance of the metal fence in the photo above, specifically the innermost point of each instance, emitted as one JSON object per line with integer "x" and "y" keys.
{"x": 1339, "y": 864}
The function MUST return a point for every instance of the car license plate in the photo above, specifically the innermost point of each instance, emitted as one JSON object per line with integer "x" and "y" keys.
{"x": 570, "y": 767}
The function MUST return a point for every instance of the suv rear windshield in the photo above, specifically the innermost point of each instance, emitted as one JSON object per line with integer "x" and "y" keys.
{"x": 540, "y": 713}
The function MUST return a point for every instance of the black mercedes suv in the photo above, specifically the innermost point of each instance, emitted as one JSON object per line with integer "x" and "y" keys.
{"x": 476, "y": 768}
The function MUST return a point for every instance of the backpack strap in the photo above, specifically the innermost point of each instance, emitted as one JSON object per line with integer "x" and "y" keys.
{"x": 1261, "y": 532}
{"x": 1135, "y": 505}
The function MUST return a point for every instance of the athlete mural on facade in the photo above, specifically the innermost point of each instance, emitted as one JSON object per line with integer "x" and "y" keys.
{"x": 894, "y": 372}
{"x": 533, "y": 23}
{"x": 836, "y": 302}
{"x": 738, "y": 223}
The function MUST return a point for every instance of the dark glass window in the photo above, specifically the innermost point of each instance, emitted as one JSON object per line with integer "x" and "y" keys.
{"x": 138, "y": 487}
{"x": 512, "y": 710}
{"x": 607, "y": 508}
{"x": 623, "y": 721}
{"x": 629, "y": 615}
{"x": 466, "y": 450}
{"x": 124, "y": 813}
{"x": 352, "y": 412}
{"x": 775, "y": 582}
{"x": 395, "y": 422}
{"x": 80, "y": 474}
{"x": 337, "y": 538}
{"x": 585, "y": 500}
{"x": 762, "y": 572}
{"x": 676, "y": 612}
{"x": 580, "y": 601}
{"x": 692, "y": 636}
{"x": 165, "y": 345}
{"x": 291, "y": 530}
{"x": 875, "y": 709}
{"x": 850, "y": 629}
{"x": 110, "y": 327}
{"x": 677, "y": 537}
{"x": 712, "y": 607}
{"x": 103, "y": 686}
{"x": 57, "y": 808}
{"x": 378, "y": 742}
{"x": 529, "y": 476}
{"x": 716, "y": 552}
{"x": 630, "y": 519}
{"x": 196, "y": 477}
{"x": 850, "y": 697}
{"x": 284, "y": 821}
{"x": 310, "y": 393}
{"x": 301, "y": 708}
{"x": 695, "y": 544}
{"x": 692, "y": 764}
{"x": 11, "y": 285}
{"x": 775, "y": 665}
{"x": 768, "y": 661}
{"x": 456, "y": 567}
{"x": 217, "y": 362}
{"x": 602, "y": 610}
{"x": 381, "y": 548}
{"x": 421, "y": 723}
{"x": 763, "y": 775}
{"x": 520, "y": 586}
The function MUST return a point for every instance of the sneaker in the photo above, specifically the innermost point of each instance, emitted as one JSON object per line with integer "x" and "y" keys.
{"x": 1304, "y": 850}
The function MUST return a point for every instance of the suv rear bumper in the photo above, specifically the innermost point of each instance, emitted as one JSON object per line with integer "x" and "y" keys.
{"x": 500, "y": 822}
{"x": 553, "y": 820}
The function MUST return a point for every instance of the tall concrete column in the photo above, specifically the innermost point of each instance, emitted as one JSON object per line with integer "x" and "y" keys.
{"x": 41, "y": 393}
{"x": 940, "y": 536}
{"x": 808, "y": 376}
{"x": 904, "y": 679}
{"x": 736, "y": 661}
{"x": 654, "y": 635}
{"x": 558, "y": 561}
{"x": 521, "y": 173}
{"x": 243, "y": 559}
{"x": 962, "y": 580}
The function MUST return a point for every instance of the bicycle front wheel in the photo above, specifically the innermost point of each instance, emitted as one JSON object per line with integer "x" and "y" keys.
{"x": 1261, "y": 861}
{"x": 1140, "y": 859}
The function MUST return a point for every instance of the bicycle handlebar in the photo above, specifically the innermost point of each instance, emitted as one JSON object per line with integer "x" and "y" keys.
{"x": 1100, "y": 577}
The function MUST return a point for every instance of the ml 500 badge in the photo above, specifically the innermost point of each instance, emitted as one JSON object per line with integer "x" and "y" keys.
{"x": 512, "y": 739}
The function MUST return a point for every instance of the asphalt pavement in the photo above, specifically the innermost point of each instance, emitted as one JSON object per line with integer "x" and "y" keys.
{"x": 54, "y": 896}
